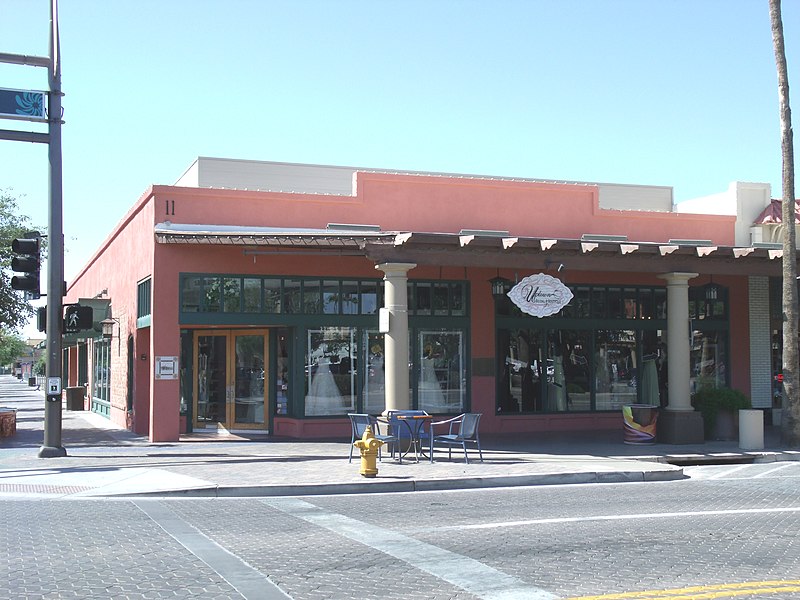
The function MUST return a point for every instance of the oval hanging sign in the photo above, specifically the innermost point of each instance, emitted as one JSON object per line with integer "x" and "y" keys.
{"x": 540, "y": 295}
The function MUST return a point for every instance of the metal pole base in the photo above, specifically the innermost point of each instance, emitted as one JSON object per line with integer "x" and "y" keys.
{"x": 52, "y": 452}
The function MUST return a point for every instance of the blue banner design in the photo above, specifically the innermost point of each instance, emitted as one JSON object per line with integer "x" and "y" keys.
{"x": 22, "y": 104}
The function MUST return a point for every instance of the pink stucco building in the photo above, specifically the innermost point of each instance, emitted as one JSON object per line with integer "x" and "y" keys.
{"x": 248, "y": 297}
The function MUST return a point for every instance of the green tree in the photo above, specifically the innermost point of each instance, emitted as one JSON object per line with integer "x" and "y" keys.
{"x": 790, "y": 422}
{"x": 14, "y": 310}
{"x": 11, "y": 347}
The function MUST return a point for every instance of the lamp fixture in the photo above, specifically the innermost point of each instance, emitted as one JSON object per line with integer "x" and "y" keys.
{"x": 500, "y": 286}
{"x": 107, "y": 325}
{"x": 712, "y": 290}
{"x": 559, "y": 266}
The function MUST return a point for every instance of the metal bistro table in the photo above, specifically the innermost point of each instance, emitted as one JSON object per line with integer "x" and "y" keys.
{"x": 415, "y": 423}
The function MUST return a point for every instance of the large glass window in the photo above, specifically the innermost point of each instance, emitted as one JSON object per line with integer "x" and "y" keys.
{"x": 615, "y": 368}
{"x": 557, "y": 370}
{"x": 708, "y": 359}
{"x": 331, "y": 371}
{"x": 441, "y": 384}
{"x": 293, "y": 295}
{"x": 282, "y": 373}
{"x": 102, "y": 370}
{"x": 374, "y": 377}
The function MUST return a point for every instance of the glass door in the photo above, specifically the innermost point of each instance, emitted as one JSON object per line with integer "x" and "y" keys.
{"x": 249, "y": 370}
{"x": 229, "y": 385}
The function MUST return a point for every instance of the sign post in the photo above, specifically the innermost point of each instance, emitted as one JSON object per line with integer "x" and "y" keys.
{"x": 30, "y": 106}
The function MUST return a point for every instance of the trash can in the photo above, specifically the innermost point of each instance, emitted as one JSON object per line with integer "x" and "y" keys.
{"x": 75, "y": 397}
{"x": 32, "y": 381}
{"x": 751, "y": 429}
{"x": 639, "y": 421}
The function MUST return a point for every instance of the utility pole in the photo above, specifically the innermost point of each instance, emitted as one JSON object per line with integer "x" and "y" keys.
{"x": 51, "y": 446}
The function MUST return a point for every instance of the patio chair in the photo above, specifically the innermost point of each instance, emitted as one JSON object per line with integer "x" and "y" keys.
{"x": 465, "y": 433}
{"x": 359, "y": 422}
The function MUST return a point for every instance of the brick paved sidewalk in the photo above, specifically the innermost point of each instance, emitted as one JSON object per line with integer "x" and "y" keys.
{"x": 105, "y": 461}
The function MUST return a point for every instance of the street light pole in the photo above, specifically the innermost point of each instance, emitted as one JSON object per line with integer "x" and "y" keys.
{"x": 55, "y": 273}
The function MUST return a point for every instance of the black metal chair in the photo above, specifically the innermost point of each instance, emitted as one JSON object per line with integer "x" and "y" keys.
{"x": 359, "y": 422}
{"x": 465, "y": 433}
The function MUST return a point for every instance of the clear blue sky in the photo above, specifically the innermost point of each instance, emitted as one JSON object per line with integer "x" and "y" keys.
{"x": 669, "y": 92}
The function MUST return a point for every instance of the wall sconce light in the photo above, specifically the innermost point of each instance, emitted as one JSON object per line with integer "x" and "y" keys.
{"x": 500, "y": 286}
{"x": 143, "y": 357}
{"x": 108, "y": 330}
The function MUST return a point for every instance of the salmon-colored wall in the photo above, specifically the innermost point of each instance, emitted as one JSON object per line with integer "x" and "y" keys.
{"x": 442, "y": 204}
{"x": 142, "y": 375}
{"x": 124, "y": 259}
{"x": 396, "y": 203}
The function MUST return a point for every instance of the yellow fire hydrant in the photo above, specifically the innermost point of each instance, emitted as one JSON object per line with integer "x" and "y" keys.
{"x": 369, "y": 447}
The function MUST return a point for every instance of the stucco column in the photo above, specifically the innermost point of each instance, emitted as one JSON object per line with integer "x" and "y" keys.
{"x": 679, "y": 424}
{"x": 678, "y": 343}
{"x": 396, "y": 339}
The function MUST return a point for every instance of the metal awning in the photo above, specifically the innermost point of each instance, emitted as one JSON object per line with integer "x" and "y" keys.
{"x": 491, "y": 250}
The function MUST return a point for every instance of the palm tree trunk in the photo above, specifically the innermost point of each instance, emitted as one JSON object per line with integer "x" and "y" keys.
{"x": 790, "y": 422}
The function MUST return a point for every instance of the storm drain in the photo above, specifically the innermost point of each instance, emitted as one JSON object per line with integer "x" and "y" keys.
{"x": 41, "y": 488}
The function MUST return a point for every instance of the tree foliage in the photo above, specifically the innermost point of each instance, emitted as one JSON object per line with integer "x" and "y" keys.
{"x": 11, "y": 347}
{"x": 14, "y": 310}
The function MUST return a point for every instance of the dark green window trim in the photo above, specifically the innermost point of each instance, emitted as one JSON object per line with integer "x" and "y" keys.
{"x": 143, "y": 298}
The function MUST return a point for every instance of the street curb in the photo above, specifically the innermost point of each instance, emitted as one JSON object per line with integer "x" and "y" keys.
{"x": 422, "y": 485}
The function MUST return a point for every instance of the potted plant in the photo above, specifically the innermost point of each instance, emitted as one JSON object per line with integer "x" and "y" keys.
{"x": 720, "y": 409}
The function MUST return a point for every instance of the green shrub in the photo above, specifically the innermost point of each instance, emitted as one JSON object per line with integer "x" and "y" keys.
{"x": 709, "y": 401}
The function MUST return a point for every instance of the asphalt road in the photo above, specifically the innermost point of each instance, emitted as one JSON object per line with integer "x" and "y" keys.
{"x": 729, "y": 531}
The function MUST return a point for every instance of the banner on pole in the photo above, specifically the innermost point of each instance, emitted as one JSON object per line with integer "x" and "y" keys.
{"x": 27, "y": 105}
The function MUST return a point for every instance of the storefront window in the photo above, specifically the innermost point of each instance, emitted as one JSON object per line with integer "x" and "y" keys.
{"x": 232, "y": 294}
{"x": 291, "y": 296}
{"x": 272, "y": 296}
{"x": 311, "y": 296}
{"x": 374, "y": 378}
{"x": 442, "y": 375}
{"x": 102, "y": 370}
{"x": 709, "y": 359}
{"x": 349, "y": 295}
{"x": 457, "y": 302}
{"x": 282, "y": 392}
{"x": 559, "y": 370}
{"x": 298, "y": 295}
{"x": 615, "y": 369}
{"x": 521, "y": 380}
{"x": 190, "y": 294}
{"x": 572, "y": 377}
{"x": 252, "y": 295}
{"x": 331, "y": 371}
{"x": 212, "y": 288}
{"x": 369, "y": 297}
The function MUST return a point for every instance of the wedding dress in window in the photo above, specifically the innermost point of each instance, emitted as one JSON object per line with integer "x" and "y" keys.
{"x": 431, "y": 397}
{"x": 323, "y": 394}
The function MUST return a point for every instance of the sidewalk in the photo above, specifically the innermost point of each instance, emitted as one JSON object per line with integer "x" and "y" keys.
{"x": 104, "y": 461}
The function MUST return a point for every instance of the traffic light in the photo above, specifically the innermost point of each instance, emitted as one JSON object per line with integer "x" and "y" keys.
{"x": 41, "y": 319}
{"x": 27, "y": 262}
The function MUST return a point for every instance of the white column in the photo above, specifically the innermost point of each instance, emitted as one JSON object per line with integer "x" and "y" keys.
{"x": 678, "y": 342}
{"x": 396, "y": 339}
